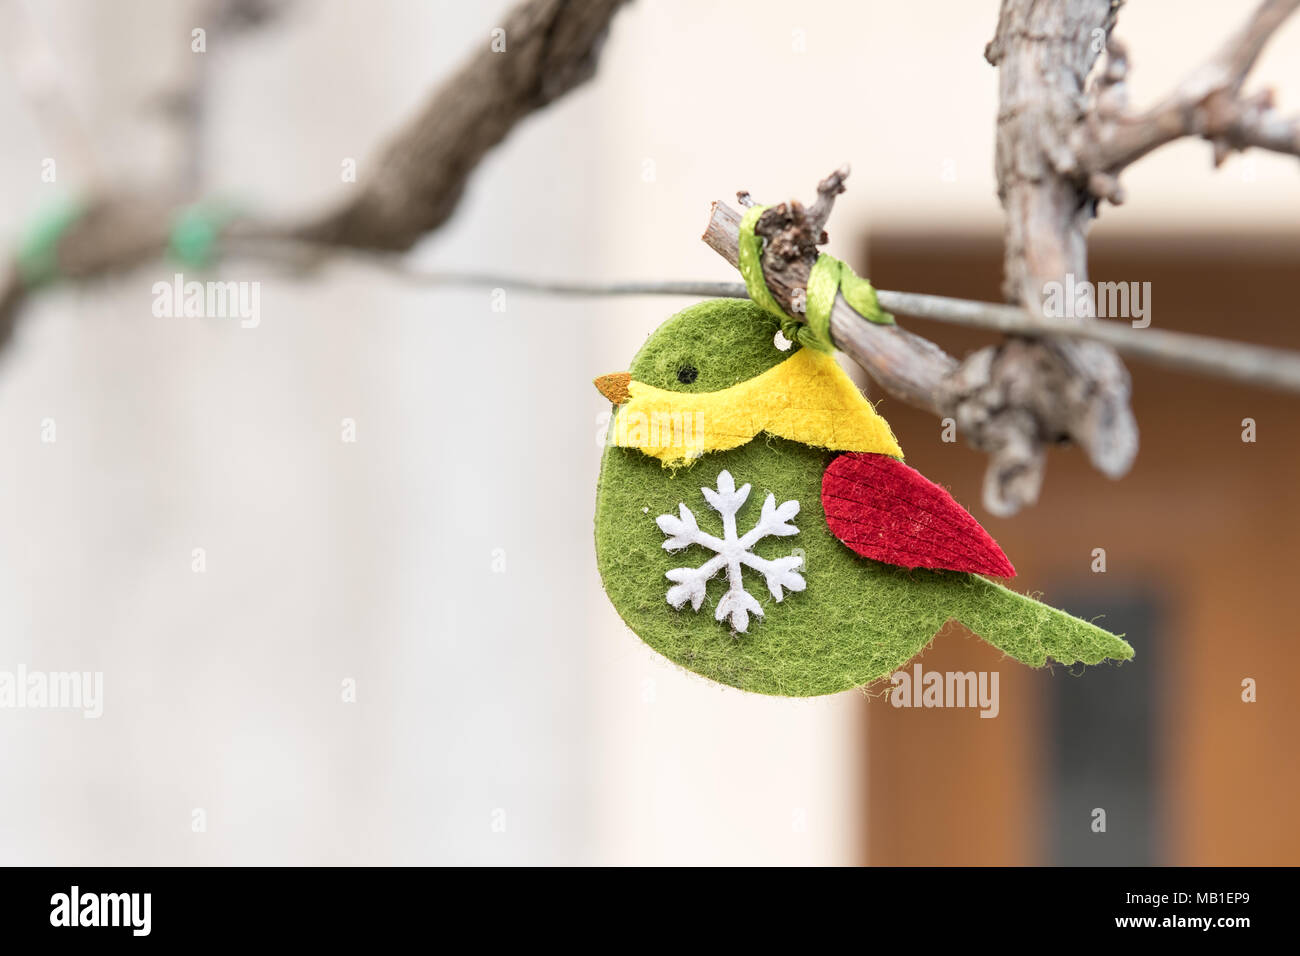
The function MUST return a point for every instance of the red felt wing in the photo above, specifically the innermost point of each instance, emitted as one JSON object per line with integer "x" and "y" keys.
{"x": 886, "y": 511}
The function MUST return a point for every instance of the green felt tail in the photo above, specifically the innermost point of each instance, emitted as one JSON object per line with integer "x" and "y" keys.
{"x": 1031, "y": 631}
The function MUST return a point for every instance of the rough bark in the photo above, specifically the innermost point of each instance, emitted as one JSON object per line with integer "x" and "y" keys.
{"x": 1208, "y": 103}
{"x": 1018, "y": 398}
{"x": 905, "y": 365}
{"x": 551, "y": 47}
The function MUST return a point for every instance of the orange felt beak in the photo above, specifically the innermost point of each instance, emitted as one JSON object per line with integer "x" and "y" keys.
{"x": 614, "y": 386}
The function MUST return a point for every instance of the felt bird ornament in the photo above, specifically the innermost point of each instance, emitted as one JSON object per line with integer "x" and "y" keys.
{"x": 756, "y": 524}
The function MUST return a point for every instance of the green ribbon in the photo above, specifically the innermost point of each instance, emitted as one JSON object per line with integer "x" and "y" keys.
{"x": 38, "y": 251}
{"x": 828, "y": 277}
{"x": 195, "y": 231}
{"x": 751, "y": 263}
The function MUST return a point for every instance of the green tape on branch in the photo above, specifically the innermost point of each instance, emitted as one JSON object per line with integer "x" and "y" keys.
{"x": 861, "y": 294}
{"x": 823, "y": 283}
{"x": 828, "y": 277}
{"x": 195, "y": 231}
{"x": 38, "y": 252}
{"x": 751, "y": 264}
{"x": 750, "y": 247}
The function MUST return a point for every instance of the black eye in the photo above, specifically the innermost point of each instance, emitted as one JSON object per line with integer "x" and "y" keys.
{"x": 687, "y": 374}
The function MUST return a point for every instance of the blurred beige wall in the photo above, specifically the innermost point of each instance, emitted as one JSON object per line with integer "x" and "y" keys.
{"x": 501, "y": 717}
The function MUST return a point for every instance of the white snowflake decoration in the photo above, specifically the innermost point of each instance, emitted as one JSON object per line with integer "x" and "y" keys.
{"x": 731, "y": 552}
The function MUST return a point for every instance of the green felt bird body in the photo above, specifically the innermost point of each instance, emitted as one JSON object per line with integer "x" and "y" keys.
{"x": 756, "y": 525}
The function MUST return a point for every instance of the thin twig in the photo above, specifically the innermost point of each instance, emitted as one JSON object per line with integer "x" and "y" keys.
{"x": 1208, "y": 103}
{"x": 819, "y": 213}
{"x": 551, "y": 47}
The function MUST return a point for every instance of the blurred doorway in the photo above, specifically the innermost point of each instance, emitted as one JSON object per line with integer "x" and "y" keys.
{"x": 1198, "y": 542}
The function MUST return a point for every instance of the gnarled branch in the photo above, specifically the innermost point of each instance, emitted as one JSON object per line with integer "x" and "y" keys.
{"x": 551, "y": 47}
{"x": 905, "y": 365}
{"x": 1008, "y": 400}
{"x": 1208, "y": 103}
{"x": 1016, "y": 399}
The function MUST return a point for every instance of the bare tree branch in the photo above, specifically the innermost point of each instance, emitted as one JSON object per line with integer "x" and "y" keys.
{"x": 1060, "y": 148}
{"x": 1012, "y": 400}
{"x": 1017, "y": 399}
{"x": 820, "y": 211}
{"x": 551, "y": 46}
{"x": 1208, "y": 103}
{"x": 905, "y": 365}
